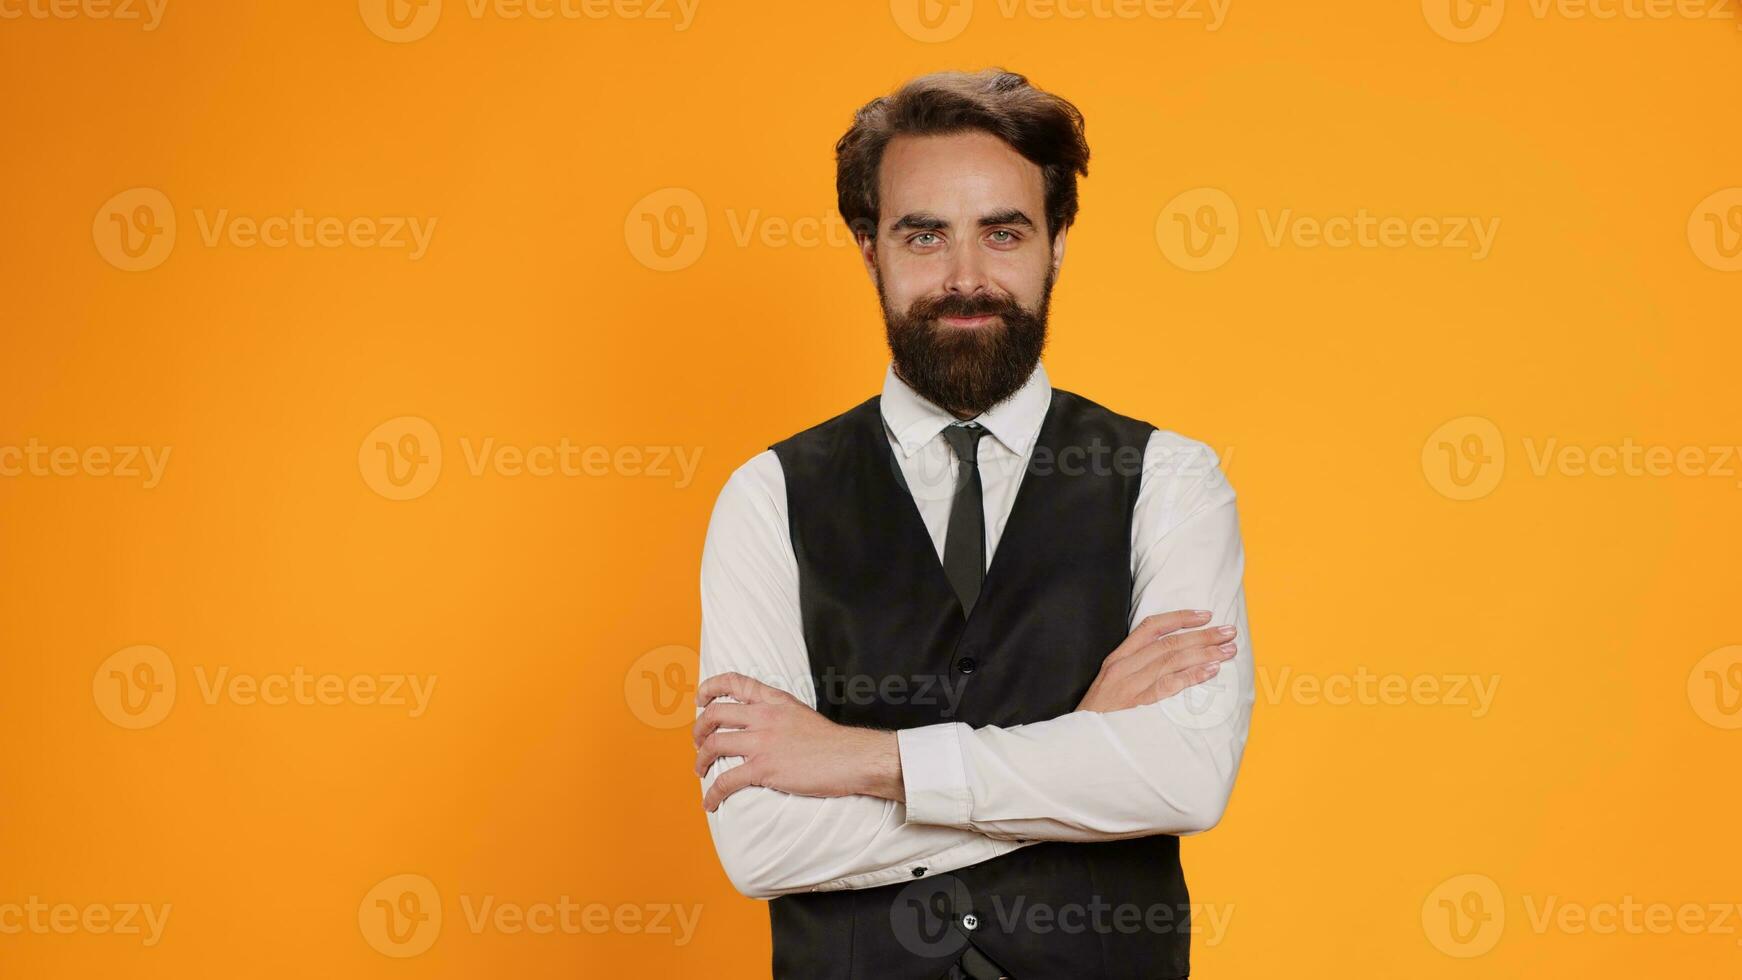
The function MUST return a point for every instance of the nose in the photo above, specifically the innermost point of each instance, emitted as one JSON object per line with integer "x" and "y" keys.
{"x": 967, "y": 272}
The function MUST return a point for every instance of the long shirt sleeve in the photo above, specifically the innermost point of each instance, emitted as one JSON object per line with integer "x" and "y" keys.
{"x": 974, "y": 794}
{"x": 1161, "y": 768}
{"x": 772, "y": 843}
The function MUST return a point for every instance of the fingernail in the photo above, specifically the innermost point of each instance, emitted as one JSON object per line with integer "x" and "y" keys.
{"x": 1200, "y": 614}
{"x": 1228, "y": 648}
{"x": 1224, "y": 631}
{"x": 1212, "y": 668}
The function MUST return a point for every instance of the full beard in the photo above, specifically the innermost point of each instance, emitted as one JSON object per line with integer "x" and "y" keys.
{"x": 966, "y": 370}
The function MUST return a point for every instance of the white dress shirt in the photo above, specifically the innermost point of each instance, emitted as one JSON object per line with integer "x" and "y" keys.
{"x": 976, "y": 793}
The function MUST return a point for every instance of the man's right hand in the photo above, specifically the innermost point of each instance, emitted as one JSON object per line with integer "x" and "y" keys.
{"x": 1158, "y": 661}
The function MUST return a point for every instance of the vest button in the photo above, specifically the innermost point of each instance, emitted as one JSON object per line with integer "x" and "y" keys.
{"x": 966, "y": 665}
{"x": 970, "y": 922}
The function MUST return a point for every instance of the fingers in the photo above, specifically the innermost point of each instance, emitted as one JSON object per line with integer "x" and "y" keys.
{"x": 1172, "y": 667}
{"x": 730, "y": 781}
{"x": 1179, "y": 642}
{"x": 721, "y": 714}
{"x": 1205, "y": 655}
{"x": 722, "y": 744}
{"x": 1152, "y": 628}
{"x": 738, "y": 687}
{"x": 1187, "y": 649}
{"x": 1167, "y": 685}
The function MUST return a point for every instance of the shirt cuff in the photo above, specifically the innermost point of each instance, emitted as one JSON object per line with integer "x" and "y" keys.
{"x": 934, "y": 775}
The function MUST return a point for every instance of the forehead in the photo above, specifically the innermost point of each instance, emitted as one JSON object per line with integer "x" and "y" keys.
{"x": 969, "y": 172}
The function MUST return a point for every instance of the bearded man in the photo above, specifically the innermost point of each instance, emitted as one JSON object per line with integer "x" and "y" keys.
{"x": 973, "y": 651}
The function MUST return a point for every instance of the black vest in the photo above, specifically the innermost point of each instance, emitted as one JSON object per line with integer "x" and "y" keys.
{"x": 889, "y": 648}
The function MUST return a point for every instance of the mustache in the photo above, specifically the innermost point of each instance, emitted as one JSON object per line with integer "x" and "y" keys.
{"x": 963, "y": 306}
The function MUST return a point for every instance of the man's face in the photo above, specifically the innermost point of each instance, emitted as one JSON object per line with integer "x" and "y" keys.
{"x": 963, "y": 266}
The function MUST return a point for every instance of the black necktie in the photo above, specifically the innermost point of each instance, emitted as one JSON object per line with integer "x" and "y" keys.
{"x": 965, "y": 541}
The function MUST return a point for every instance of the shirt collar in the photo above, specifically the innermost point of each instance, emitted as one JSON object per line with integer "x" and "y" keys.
{"x": 1015, "y": 421}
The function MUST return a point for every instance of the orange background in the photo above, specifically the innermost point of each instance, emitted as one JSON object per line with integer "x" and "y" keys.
{"x": 543, "y": 767}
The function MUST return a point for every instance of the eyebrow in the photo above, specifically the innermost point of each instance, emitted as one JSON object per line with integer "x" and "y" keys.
{"x": 926, "y": 221}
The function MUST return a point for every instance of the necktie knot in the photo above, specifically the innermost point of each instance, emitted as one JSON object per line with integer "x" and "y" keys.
{"x": 965, "y": 441}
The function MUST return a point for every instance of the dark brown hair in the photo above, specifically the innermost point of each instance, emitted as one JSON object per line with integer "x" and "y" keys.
{"x": 1044, "y": 128}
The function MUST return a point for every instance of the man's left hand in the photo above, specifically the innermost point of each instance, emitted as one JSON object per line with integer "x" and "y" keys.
{"x": 786, "y": 745}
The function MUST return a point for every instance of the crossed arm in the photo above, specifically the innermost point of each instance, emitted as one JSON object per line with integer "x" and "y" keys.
{"x": 799, "y": 803}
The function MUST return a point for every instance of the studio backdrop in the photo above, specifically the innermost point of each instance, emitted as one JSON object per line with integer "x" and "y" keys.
{"x": 368, "y": 374}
